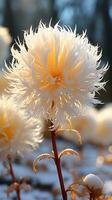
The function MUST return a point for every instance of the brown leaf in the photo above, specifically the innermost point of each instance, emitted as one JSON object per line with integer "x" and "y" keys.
{"x": 69, "y": 152}
{"x": 73, "y": 195}
{"x": 25, "y": 186}
{"x": 12, "y": 188}
{"x": 72, "y": 190}
{"x": 79, "y": 190}
{"x": 41, "y": 157}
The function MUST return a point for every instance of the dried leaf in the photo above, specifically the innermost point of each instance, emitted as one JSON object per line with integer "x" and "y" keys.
{"x": 76, "y": 183}
{"x": 25, "y": 187}
{"x": 72, "y": 187}
{"x": 69, "y": 152}
{"x": 12, "y": 188}
{"x": 41, "y": 157}
{"x": 73, "y": 195}
{"x": 79, "y": 190}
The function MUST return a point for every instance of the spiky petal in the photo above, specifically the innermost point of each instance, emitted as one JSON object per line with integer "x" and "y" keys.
{"x": 55, "y": 72}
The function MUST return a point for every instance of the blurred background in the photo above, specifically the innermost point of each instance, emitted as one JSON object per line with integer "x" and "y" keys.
{"x": 95, "y": 16}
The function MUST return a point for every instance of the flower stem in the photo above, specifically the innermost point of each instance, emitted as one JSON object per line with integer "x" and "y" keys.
{"x": 58, "y": 165}
{"x": 14, "y": 178}
{"x": 91, "y": 197}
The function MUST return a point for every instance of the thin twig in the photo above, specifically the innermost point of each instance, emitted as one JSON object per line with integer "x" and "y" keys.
{"x": 14, "y": 178}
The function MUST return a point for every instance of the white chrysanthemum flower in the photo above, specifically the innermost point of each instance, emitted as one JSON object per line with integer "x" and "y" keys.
{"x": 104, "y": 126}
{"x": 55, "y": 72}
{"x": 18, "y": 134}
{"x": 85, "y": 124}
{"x": 4, "y": 84}
{"x": 5, "y": 41}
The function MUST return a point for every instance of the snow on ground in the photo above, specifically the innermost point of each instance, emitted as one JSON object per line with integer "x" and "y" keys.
{"x": 45, "y": 184}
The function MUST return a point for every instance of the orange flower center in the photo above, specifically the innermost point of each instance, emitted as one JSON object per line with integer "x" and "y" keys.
{"x": 6, "y": 132}
{"x": 57, "y": 77}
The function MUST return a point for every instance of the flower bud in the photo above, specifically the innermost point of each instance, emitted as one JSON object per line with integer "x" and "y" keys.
{"x": 94, "y": 184}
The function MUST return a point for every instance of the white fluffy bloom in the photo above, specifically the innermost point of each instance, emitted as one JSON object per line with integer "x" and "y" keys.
{"x": 85, "y": 124}
{"x": 18, "y": 134}
{"x": 4, "y": 84}
{"x": 55, "y": 72}
{"x": 104, "y": 126}
{"x": 5, "y": 41}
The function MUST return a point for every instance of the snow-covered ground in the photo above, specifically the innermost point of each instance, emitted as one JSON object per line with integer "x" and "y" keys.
{"x": 45, "y": 184}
